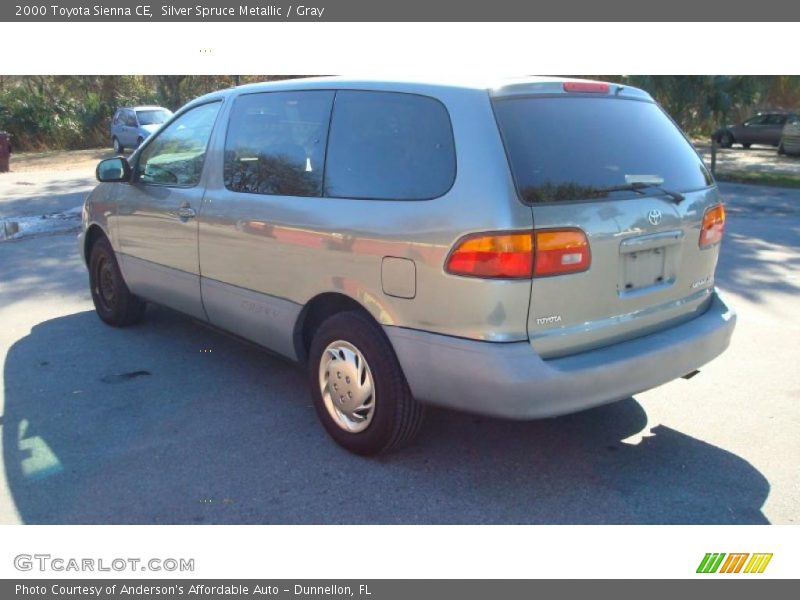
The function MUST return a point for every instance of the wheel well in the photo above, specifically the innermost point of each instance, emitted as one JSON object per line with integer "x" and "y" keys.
{"x": 94, "y": 233}
{"x": 315, "y": 312}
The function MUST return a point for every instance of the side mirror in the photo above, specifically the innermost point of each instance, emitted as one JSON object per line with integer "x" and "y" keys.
{"x": 113, "y": 170}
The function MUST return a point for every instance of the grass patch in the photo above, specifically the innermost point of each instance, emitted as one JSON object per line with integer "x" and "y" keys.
{"x": 790, "y": 180}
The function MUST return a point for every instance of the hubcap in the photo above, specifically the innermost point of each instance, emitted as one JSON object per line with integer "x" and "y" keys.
{"x": 104, "y": 287}
{"x": 347, "y": 387}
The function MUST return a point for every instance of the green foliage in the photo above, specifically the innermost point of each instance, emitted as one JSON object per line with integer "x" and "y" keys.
{"x": 760, "y": 177}
{"x": 701, "y": 103}
{"x": 63, "y": 112}
{"x": 73, "y": 112}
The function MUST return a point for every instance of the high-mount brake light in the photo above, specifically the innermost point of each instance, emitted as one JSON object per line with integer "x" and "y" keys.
{"x": 586, "y": 87}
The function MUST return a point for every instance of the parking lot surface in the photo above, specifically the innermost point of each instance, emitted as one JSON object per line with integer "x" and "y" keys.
{"x": 173, "y": 422}
{"x": 762, "y": 158}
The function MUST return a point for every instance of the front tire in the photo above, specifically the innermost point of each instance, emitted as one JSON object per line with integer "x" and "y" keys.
{"x": 746, "y": 146}
{"x": 725, "y": 139}
{"x": 113, "y": 301}
{"x": 360, "y": 393}
{"x": 118, "y": 147}
{"x": 781, "y": 149}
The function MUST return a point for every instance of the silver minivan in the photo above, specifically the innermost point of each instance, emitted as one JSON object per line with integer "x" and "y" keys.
{"x": 522, "y": 250}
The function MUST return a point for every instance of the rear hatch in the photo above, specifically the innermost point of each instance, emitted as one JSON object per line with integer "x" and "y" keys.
{"x": 607, "y": 161}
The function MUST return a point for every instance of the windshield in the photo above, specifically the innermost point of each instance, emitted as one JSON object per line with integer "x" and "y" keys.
{"x": 153, "y": 117}
{"x": 579, "y": 148}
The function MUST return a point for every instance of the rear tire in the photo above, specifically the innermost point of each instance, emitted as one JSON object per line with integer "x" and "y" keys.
{"x": 113, "y": 301}
{"x": 746, "y": 146}
{"x": 781, "y": 149}
{"x": 371, "y": 410}
{"x": 725, "y": 139}
{"x": 118, "y": 148}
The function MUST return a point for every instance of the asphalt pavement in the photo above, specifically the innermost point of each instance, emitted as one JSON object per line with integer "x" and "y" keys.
{"x": 43, "y": 192}
{"x": 173, "y": 422}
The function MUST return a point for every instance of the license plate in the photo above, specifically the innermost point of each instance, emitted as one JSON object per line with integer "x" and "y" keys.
{"x": 644, "y": 269}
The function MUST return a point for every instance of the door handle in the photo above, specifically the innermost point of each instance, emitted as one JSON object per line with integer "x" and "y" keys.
{"x": 186, "y": 212}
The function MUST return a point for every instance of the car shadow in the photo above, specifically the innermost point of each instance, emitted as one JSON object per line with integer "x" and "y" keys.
{"x": 172, "y": 422}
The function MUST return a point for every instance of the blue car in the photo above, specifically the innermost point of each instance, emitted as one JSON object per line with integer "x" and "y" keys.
{"x": 132, "y": 125}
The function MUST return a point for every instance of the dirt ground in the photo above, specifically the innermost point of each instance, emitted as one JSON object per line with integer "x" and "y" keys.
{"x": 762, "y": 158}
{"x": 58, "y": 160}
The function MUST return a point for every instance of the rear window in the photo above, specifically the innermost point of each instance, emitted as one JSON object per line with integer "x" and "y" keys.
{"x": 152, "y": 117}
{"x": 578, "y": 148}
{"x": 389, "y": 146}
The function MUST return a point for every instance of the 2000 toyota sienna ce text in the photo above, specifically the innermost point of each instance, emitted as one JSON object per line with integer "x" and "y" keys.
{"x": 525, "y": 250}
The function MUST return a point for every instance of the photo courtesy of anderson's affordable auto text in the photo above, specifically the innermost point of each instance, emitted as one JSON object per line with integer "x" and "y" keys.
{"x": 189, "y": 589}
{"x": 370, "y": 288}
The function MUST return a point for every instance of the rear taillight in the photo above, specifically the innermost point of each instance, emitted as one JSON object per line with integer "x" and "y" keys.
{"x": 586, "y": 87}
{"x": 559, "y": 251}
{"x": 713, "y": 226}
{"x": 493, "y": 255}
{"x": 520, "y": 255}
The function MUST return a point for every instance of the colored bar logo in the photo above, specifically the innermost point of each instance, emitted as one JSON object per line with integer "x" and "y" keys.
{"x": 713, "y": 562}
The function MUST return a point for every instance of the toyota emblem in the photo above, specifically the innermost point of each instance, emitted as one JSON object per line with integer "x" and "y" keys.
{"x": 654, "y": 216}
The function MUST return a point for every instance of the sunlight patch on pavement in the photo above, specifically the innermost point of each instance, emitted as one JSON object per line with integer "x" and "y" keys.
{"x": 42, "y": 461}
{"x": 15, "y": 228}
{"x": 8, "y": 508}
{"x": 647, "y": 428}
{"x": 637, "y": 438}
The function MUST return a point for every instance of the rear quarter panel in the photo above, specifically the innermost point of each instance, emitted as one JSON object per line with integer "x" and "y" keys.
{"x": 295, "y": 248}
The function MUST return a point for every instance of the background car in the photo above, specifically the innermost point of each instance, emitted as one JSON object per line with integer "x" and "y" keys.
{"x": 790, "y": 139}
{"x": 763, "y": 128}
{"x": 132, "y": 125}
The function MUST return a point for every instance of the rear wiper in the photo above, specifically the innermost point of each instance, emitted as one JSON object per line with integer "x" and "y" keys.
{"x": 641, "y": 186}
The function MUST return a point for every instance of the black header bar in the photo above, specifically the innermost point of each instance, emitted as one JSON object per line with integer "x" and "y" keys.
{"x": 388, "y": 589}
{"x": 404, "y": 11}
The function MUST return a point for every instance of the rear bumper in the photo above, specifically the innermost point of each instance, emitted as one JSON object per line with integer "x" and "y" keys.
{"x": 510, "y": 380}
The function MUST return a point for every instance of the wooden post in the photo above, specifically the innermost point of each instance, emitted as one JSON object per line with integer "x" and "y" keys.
{"x": 714, "y": 155}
